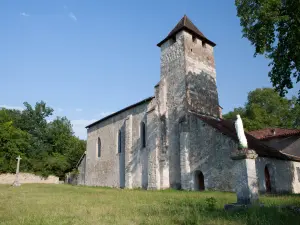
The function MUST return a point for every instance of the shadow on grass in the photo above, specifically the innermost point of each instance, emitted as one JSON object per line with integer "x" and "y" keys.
{"x": 196, "y": 211}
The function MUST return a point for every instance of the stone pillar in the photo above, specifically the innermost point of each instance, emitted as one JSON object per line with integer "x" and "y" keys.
{"x": 128, "y": 152}
{"x": 246, "y": 178}
{"x": 164, "y": 154}
{"x": 153, "y": 174}
{"x": 184, "y": 161}
{"x": 157, "y": 169}
{"x": 153, "y": 132}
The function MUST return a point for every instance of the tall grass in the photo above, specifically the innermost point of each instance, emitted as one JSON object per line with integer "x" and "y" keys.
{"x": 64, "y": 204}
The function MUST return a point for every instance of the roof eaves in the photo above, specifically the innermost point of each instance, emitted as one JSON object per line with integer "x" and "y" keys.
{"x": 120, "y": 111}
{"x": 191, "y": 32}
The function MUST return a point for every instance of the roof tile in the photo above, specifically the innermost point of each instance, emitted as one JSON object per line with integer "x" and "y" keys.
{"x": 269, "y": 133}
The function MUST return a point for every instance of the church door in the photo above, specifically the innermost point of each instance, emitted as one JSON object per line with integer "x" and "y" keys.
{"x": 199, "y": 181}
{"x": 267, "y": 180}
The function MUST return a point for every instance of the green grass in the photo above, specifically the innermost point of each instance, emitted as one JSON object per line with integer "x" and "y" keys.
{"x": 64, "y": 204}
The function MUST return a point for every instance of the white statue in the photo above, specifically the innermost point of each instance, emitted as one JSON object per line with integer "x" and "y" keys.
{"x": 240, "y": 132}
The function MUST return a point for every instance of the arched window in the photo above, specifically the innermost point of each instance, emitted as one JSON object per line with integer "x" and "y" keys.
{"x": 143, "y": 134}
{"x": 119, "y": 141}
{"x": 99, "y": 147}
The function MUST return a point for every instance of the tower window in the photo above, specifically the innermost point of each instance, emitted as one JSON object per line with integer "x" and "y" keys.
{"x": 99, "y": 147}
{"x": 203, "y": 44}
{"x": 143, "y": 134}
{"x": 194, "y": 39}
{"x": 173, "y": 40}
{"x": 119, "y": 141}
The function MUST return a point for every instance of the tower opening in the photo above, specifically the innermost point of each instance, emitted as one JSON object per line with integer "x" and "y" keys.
{"x": 194, "y": 39}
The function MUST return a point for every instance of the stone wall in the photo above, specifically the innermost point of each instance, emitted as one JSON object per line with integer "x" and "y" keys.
{"x": 172, "y": 68}
{"x": 208, "y": 152}
{"x": 284, "y": 175}
{"x": 296, "y": 180}
{"x": 126, "y": 169}
{"x": 25, "y": 178}
{"x": 201, "y": 88}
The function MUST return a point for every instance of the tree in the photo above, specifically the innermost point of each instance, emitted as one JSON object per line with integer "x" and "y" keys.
{"x": 266, "y": 108}
{"x": 273, "y": 27}
{"x": 46, "y": 148}
{"x": 13, "y": 142}
{"x": 66, "y": 148}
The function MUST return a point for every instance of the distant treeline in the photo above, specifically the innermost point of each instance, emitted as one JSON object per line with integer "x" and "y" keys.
{"x": 265, "y": 108}
{"x": 46, "y": 148}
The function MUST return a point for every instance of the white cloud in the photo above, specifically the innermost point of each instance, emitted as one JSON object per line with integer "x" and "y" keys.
{"x": 24, "y": 14}
{"x": 11, "y": 107}
{"x": 79, "y": 110}
{"x": 79, "y": 127}
{"x": 72, "y": 16}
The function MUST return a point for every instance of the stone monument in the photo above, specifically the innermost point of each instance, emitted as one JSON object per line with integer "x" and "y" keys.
{"x": 246, "y": 178}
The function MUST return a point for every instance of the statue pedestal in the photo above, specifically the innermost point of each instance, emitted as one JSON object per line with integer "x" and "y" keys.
{"x": 246, "y": 179}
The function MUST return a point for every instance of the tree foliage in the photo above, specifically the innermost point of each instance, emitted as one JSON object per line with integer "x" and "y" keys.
{"x": 273, "y": 27}
{"x": 266, "y": 108}
{"x": 45, "y": 147}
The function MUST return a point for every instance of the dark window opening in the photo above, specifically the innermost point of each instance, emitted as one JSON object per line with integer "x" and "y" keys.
{"x": 194, "y": 39}
{"x": 173, "y": 40}
{"x": 267, "y": 180}
{"x": 191, "y": 50}
{"x": 99, "y": 147}
{"x": 203, "y": 44}
{"x": 143, "y": 134}
{"x": 120, "y": 142}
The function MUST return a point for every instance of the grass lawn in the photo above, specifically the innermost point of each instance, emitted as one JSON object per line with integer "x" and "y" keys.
{"x": 33, "y": 204}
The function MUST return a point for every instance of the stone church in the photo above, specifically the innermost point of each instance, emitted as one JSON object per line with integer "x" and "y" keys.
{"x": 178, "y": 139}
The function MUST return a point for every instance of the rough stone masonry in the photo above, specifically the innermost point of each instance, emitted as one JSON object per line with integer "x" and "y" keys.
{"x": 177, "y": 138}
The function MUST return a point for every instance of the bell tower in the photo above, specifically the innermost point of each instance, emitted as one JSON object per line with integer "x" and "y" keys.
{"x": 187, "y": 84}
{"x": 187, "y": 60}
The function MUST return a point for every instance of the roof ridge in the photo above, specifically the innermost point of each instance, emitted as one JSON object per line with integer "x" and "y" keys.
{"x": 187, "y": 25}
{"x": 184, "y": 20}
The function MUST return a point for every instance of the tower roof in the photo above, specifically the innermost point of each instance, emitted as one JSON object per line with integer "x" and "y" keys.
{"x": 186, "y": 24}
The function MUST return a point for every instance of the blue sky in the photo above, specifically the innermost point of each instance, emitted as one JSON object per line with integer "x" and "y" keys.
{"x": 87, "y": 59}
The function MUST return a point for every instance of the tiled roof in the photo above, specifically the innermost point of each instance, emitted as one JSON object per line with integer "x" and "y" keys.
{"x": 186, "y": 24}
{"x": 227, "y": 128}
{"x": 269, "y": 133}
